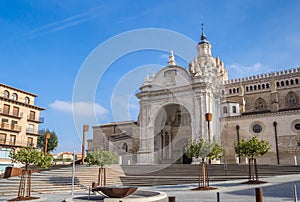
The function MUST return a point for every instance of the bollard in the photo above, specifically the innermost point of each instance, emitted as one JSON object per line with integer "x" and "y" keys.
{"x": 172, "y": 198}
{"x": 258, "y": 194}
{"x": 295, "y": 193}
{"x": 218, "y": 196}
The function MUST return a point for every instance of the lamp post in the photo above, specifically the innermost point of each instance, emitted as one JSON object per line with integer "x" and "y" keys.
{"x": 276, "y": 141}
{"x": 47, "y": 137}
{"x": 208, "y": 118}
{"x": 238, "y": 139}
{"x": 85, "y": 129}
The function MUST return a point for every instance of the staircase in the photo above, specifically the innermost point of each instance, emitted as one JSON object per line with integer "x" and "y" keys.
{"x": 149, "y": 175}
{"x": 60, "y": 180}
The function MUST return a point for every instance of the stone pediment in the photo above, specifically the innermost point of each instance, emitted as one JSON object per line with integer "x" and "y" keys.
{"x": 170, "y": 77}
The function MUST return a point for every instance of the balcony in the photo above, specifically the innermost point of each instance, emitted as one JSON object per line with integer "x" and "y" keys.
{"x": 10, "y": 127}
{"x": 32, "y": 131}
{"x": 36, "y": 120}
{"x": 11, "y": 114}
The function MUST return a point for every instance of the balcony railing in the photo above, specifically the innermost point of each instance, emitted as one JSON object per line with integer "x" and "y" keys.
{"x": 11, "y": 114}
{"x": 32, "y": 131}
{"x": 36, "y": 120}
{"x": 10, "y": 127}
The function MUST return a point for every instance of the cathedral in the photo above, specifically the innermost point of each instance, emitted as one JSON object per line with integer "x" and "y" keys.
{"x": 179, "y": 105}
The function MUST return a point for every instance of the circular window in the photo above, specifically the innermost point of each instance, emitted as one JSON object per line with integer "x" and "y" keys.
{"x": 297, "y": 126}
{"x": 257, "y": 128}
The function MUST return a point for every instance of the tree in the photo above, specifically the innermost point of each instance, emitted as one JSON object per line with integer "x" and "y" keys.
{"x": 252, "y": 148}
{"x": 205, "y": 151}
{"x": 101, "y": 157}
{"x": 29, "y": 156}
{"x": 52, "y": 142}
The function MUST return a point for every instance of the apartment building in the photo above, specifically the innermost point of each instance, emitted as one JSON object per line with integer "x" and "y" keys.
{"x": 19, "y": 121}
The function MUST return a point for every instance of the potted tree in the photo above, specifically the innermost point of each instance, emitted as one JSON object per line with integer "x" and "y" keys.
{"x": 29, "y": 157}
{"x": 206, "y": 151}
{"x": 101, "y": 157}
{"x": 252, "y": 148}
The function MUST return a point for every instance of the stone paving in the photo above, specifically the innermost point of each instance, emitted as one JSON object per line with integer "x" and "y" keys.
{"x": 278, "y": 188}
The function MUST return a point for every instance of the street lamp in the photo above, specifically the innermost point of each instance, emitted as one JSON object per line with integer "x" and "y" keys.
{"x": 48, "y": 135}
{"x": 238, "y": 139}
{"x": 276, "y": 141}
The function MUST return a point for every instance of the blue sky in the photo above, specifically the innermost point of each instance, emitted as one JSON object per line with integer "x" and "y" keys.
{"x": 44, "y": 45}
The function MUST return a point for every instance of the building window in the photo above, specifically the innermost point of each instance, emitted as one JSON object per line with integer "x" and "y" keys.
{"x": 32, "y": 115}
{"x": 27, "y": 100}
{"x": 247, "y": 88}
{"x": 224, "y": 110}
{"x": 257, "y": 128}
{"x": 251, "y": 88}
{"x": 291, "y": 99}
{"x": 254, "y": 87}
{"x": 2, "y": 138}
{"x": 292, "y": 82}
{"x": 263, "y": 86}
{"x": 125, "y": 147}
{"x": 277, "y": 84}
{"x": 16, "y": 111}
{"x": 260, "y": 104}
{"x": 6, "y": 109}
{"x": 30, "y": 128}
{"x": 268, "y": 86}
{"x": 258, "y": 87}
{"x": 233, "y": 109}
{"x": 30, "y": 142}
{"x": 12, "y": 140}
{"x": 296, "y": 81}
{"x": 6, "y": 94}
{"x": 282, "y": 83}
{"x": 297, "y": 126}
{"x": 14, "y": 96}
{"x": 230, "y": 91}
{"x": 287, "y": 82}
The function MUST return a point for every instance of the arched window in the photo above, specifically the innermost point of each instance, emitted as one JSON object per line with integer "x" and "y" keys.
{"x": 14, "y": 96}
{"x": 125, "y": 147}
{"x": 292, "y": 82}
{"x": 247, "y": 88}
{"x": 234, "y": 90}
{"x": 263, "y": 86}
{"x": 224, "y": 110}
{"x": 254, "y": 87}
{"x": 287, "y": 82}
{"x": 258, "y": 87}
{"x": 237, "y": 90}
{"x": 27, "y": 100}
{"x": 6, "y": 94}
{"x": 291, "y": 99}
{"x": 282, "y": 83}
{"x": 267, "y": 85}
{"x": 250, "y": 88}
{"x": 260, "y": 104}
{"x": 296, "y": 81}
{"x": 233, "y": 109}
{"x": 230, "y": 91}
{"x": 277, "y": 84}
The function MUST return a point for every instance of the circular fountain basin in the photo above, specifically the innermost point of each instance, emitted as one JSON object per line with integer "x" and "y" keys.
{"x": 116, "y": 191}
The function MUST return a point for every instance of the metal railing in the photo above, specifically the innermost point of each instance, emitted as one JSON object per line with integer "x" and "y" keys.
{"x": 12, "y": 113}
{"x": 11, "y": 127}
{"x": 37, "y": 120}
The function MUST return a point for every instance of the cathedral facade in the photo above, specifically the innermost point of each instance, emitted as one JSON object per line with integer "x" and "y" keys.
{"x": 179, "y": 105}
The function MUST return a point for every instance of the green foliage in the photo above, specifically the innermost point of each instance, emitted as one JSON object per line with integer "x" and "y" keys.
{"x": 101, "y": 157}
{"x": 52, "y": 142}
{"x": 203, "y": 149}
{"x": 30, "y": 156}
{"x": 252, "y": 147}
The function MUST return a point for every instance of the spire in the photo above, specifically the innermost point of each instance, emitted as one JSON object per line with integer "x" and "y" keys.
{"x": 203, "y": 37}
{"x": 171, "y": 60}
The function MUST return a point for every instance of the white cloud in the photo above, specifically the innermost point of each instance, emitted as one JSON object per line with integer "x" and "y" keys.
{"x": 79, "y": 108}
{"x": 238, "y": 70}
